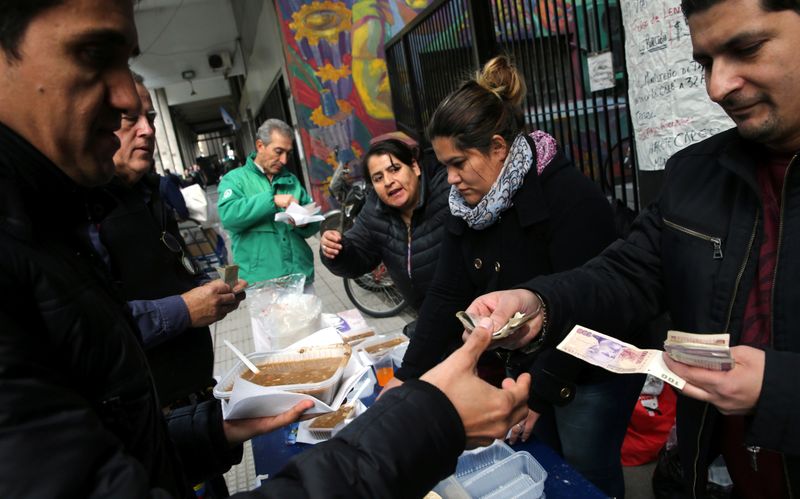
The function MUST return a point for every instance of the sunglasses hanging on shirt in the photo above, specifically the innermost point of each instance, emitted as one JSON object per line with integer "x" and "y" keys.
{"x": 174, "y": 246}
{"x": 172, "y": 243}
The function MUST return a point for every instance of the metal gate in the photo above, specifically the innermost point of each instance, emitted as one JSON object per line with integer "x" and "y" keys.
{"x": 561, "y": 47}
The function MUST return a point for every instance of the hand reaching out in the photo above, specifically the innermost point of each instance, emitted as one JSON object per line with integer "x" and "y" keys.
{"x": 211, "y": 302}
{"x": 500, "y": 306}
{"x": 732, "y": 392}
{"x": 486, "y": 412}
{"x": 240, "y": 430}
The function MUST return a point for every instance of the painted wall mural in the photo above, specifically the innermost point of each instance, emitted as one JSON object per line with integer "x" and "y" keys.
{"x": 337, "y": 74}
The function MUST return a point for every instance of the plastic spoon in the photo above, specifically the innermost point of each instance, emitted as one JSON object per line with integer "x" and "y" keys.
{"x": 241, "y": 356}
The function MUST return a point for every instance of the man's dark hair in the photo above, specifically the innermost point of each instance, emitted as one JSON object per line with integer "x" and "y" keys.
{"x": 395, "y": 147}
{"x": 14, "y": 21}
{"x": 690, "y": 7}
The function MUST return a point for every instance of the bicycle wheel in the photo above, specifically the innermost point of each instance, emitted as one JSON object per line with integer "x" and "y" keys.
{"x": 375, "y": 294}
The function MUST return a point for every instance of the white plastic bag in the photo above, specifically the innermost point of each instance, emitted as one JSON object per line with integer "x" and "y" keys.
{"x": 280, "y": 314}
{"x": 196, "y": 203}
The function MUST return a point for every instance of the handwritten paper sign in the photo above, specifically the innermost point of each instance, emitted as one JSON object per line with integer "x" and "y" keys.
{"x": 601, "y": 71}
{"x": 670, "y": 108}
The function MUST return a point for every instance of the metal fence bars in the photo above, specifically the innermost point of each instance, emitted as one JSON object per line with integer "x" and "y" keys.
{"x": 571, "y": 53}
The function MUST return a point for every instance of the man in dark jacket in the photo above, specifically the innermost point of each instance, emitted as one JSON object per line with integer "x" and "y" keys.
{"x": 147, "y": 257}
{"x": 78, "y": 413}
{"x": 718, "y": 250}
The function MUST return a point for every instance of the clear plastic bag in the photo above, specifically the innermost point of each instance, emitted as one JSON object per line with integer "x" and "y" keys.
{"x": 280, "y": 314}
{"x": 274, "y": 288}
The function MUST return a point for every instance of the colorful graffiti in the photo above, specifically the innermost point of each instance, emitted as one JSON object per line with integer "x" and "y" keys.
{"x": 539, "y": 18}
{"x": 337, "y": 74}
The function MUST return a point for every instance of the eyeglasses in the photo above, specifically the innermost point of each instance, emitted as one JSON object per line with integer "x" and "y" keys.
{"x": 174, "y": 246}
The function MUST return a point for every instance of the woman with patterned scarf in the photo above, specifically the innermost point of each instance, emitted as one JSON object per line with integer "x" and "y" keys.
{"x": 519, "y": 208}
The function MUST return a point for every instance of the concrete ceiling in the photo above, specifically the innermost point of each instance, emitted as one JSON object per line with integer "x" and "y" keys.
{"x": 179, "y": 35}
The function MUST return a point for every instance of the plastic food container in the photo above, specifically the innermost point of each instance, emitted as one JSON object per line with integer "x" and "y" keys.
{"x": 517, "y": 476}
{"x": 323, "y": 390}
{"x": 473, "y": 461}
{"x": 398, "y": 353}
{"x": 379, "y": 346}
{"x": 449, "y": 488}
{"x": 322, "y": 427}
{"x": 355, "y": 337}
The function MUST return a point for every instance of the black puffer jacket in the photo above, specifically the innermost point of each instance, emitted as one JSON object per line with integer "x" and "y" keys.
{"x": 78, "y": 413}
{"x": 379, "y": 234}
{"x": 694, "y": 253}
{"x": 558, "y": 220}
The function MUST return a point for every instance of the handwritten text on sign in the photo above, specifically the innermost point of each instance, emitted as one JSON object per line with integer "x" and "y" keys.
{"x": 669, "y": 104}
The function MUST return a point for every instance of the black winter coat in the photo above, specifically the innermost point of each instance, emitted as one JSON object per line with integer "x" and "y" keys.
{"x": 379, "y": 234}
{"x": 694, "y": 253}
{"x": 558, "y": 221}
{"x": 401, "y": 447}
{"x": 78, "y": 413}
{"x": 147, "y": 270}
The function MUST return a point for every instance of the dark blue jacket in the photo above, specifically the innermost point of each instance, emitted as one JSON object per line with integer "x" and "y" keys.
{"x": 379, "y": 234}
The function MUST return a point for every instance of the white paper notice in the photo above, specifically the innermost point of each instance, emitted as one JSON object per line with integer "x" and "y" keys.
{"x": 601, "y": 71}
{"x": 670, "y": 108}
{"x": 300, "y": 215}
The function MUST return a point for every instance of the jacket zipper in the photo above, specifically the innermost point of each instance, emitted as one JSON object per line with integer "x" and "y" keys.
{"x": 727, "y": 326}
{"x": 754, "y": 450}
{"x": 716, "y": 242}
{"x": 408, "y": 251}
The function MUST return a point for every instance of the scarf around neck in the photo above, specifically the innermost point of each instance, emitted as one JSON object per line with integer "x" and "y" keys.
{"x": 499, "y": 198}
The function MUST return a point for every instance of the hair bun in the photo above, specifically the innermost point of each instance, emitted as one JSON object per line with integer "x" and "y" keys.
{"x": 502, "y": 78}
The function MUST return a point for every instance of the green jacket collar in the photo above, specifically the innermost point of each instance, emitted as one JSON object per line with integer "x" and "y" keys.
{"x": 251, "y": 164}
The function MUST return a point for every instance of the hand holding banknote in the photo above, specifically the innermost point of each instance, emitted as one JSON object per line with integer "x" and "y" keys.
{"x": 500, "y": 307}
{"x": 735, "y": 391}
{"x": 709, "y": 351}
{"x": 617, "y": 356}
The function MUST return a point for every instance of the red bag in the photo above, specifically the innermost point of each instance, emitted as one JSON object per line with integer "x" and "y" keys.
{"x": 652, "y": 418}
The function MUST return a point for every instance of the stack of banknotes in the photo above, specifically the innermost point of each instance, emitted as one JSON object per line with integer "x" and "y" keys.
{"x": 709, "y": 351}
{"x": 229, "y": 274}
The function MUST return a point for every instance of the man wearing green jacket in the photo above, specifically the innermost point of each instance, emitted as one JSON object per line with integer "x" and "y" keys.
{"x": 249, "y": 199}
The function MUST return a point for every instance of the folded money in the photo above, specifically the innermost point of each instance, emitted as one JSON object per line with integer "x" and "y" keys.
{"x": 617, "y": 356}
{"x": 709, "y": 351}
{"x": 517, "y": 321}
{"x": 229, "y": 274}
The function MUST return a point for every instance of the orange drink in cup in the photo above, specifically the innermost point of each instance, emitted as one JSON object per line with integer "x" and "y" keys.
{"x": 384, "y": 369}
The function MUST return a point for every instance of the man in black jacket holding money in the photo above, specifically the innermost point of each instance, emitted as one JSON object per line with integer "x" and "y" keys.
{"x": 718, "y": 250}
